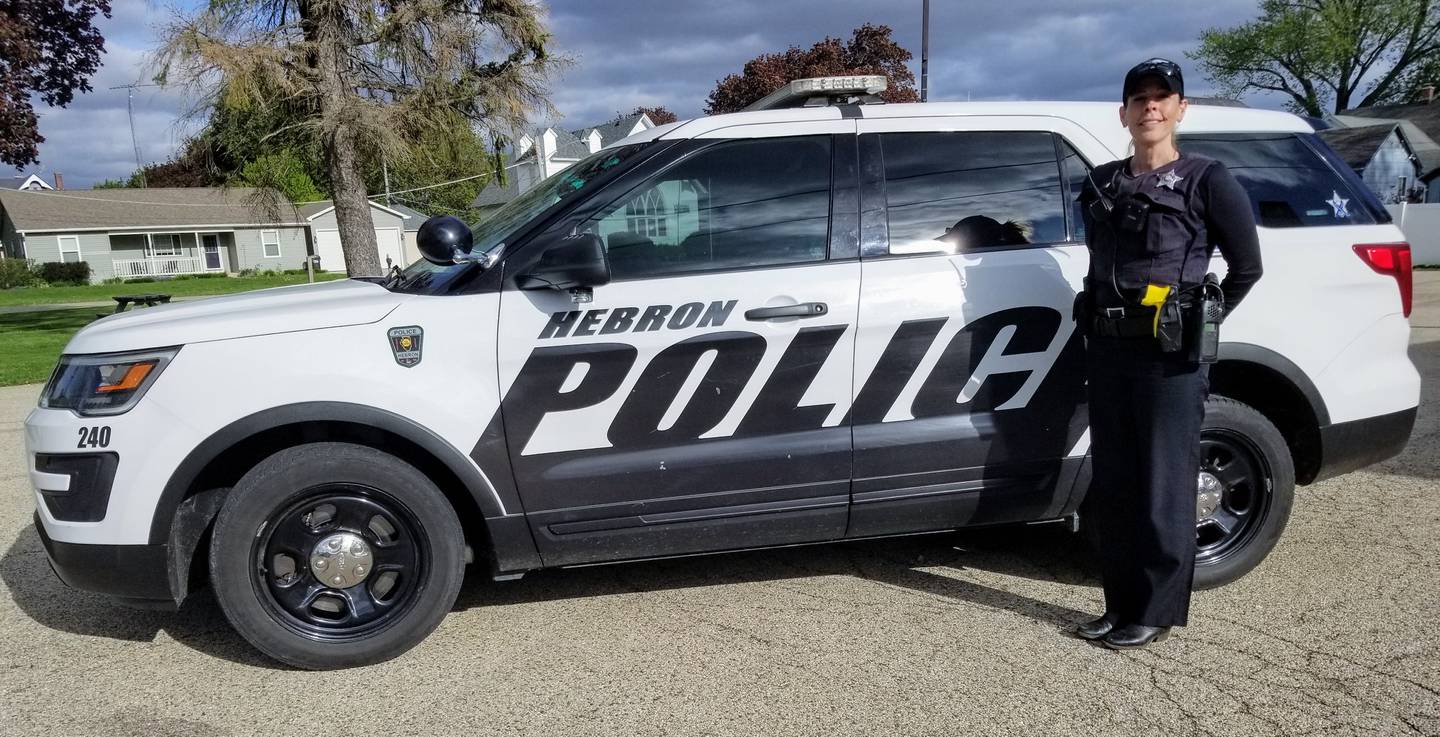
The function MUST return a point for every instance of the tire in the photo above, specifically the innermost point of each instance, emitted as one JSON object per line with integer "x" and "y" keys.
{"x": 1255, "y": 475}
{"x": 371, "y": 517}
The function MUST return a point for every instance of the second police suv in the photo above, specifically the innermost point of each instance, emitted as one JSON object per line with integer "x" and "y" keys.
{"x": 818, "y": 321}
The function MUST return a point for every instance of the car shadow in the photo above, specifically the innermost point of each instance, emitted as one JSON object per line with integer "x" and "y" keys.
{"x": 1039, "y": 552}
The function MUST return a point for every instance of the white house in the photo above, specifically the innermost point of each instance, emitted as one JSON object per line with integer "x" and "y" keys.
{"x": 539, "y": 155}
{"x": 34, "y": 184}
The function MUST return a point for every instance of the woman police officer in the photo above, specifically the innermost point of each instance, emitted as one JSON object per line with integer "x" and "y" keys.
{"x": 1152, "y": 223}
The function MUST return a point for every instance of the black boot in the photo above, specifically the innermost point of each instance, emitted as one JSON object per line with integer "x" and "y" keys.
{"x": 1134, "y": 635}
{"x": 1097, "y": 628}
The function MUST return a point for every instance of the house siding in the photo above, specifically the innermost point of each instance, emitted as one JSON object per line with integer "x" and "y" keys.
{"x": 1390, "y": 162}
{"x": 381, "y": 218}
{"x": 94, "y": 249}
{"x": 250, "y": 254}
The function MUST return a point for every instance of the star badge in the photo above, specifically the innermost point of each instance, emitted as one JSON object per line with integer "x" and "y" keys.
{"x": 1168, "y": 180}
{"x": 1339, "y": 204}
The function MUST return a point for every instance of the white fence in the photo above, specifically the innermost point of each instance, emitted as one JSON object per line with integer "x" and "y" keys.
{"x": 158, "y": 266}
{"x": 1421, "y": 224}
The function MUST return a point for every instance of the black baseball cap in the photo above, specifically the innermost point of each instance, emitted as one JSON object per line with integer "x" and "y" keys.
{"x": 1168, "y": 73}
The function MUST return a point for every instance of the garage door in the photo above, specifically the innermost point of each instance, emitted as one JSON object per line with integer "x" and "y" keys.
{"x": 332, "y": 257}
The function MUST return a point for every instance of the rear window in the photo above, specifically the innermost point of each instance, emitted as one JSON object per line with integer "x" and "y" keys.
{"x": 1294, "y": 179}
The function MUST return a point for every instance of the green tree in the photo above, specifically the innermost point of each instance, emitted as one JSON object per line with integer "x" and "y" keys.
{"x": 282, "y": 171}
{"x": 366, "y": 80}
{"x": 48, "y": 50}
{"x": 1327, "y": 53}
{"x": 870, "y": 51}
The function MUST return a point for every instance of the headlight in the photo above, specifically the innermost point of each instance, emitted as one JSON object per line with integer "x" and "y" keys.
{"x": 105, "y": 384}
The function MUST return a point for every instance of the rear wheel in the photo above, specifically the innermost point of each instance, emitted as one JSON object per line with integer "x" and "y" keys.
{"x": 333, "y": 555}
{"x": 1244, "y": 491}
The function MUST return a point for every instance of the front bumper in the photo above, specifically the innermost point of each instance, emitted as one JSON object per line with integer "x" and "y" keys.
{"x": 1348, "y": 446}
{"x": 127, "y": 571}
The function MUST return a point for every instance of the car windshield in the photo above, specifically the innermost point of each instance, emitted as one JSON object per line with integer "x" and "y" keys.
{"x": 490, "y": 233}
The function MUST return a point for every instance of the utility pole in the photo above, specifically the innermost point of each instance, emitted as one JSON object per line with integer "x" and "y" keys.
{"x": 925, "y": 52}
{"x": 385, "y": 170}
{"x": 130, "y": 111}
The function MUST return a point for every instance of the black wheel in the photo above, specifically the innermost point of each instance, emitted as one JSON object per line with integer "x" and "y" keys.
{"x": 1244, "y": 491}
{"x": 334, "y": 555}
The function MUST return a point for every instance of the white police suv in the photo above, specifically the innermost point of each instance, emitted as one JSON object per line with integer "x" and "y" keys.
{"x": 796, "y": 325}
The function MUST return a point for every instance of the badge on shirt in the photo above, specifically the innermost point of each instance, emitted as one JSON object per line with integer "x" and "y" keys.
{"x": 1168, "y": 180}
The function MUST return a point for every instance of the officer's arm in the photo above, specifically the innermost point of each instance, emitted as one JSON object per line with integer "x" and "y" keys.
{"x": 1231, "y": 223}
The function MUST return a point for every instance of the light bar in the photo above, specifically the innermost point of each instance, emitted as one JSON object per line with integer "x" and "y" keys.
{"x": 822, "y": 90}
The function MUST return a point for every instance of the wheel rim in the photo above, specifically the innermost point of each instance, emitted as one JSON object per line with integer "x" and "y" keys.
{"x": 342, "y": 563}
{"x": 1232, "y": 495}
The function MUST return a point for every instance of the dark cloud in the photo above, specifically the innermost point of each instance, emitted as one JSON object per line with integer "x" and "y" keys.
{"x": 647, "y": 52}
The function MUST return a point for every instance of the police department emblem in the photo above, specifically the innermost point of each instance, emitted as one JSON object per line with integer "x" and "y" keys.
{"x": 1168, "y": 180}
{"x": 1341, "y": 205}
{"x": 405, "y": 343}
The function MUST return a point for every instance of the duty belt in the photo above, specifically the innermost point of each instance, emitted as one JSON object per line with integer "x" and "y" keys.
{"x": 1123, "y": 322}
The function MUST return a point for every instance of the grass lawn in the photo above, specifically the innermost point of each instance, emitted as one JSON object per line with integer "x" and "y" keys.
{"x": 33, "y": 341}
{"x": 174, "y": 287}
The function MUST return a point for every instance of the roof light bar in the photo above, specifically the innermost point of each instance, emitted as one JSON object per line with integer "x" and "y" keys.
{"x": 820, "y": 91}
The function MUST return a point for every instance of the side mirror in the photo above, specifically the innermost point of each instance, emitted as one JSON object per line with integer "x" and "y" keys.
{"x": 576, "y": 262}
{"x": 444, "y": 240}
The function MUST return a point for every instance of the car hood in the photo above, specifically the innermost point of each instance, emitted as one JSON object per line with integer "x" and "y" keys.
{"x": 262, "y": 312}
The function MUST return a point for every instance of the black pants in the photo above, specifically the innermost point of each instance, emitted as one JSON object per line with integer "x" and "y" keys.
{"x": 1145, "y": 413}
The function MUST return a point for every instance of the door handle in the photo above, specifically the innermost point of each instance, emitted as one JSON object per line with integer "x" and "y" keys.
{"x": 806, "y": 309}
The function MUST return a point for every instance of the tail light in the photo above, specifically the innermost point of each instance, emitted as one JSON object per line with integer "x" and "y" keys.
{"x": 1391, "y": 259}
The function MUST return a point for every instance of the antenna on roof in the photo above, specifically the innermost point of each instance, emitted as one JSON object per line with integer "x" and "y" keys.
{"x": 822, "y": 91}
{"x": 130, "y": 110}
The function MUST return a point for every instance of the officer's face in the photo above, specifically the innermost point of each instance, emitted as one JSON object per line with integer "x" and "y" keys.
{"x": 1151, "y": 113}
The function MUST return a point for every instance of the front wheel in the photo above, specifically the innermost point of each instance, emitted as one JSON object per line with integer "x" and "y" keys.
{"x": 333, "y": 555}
{"x": 1244, "y": 491}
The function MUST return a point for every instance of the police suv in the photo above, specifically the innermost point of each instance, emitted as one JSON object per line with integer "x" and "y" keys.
{"x": 811, "y": 323}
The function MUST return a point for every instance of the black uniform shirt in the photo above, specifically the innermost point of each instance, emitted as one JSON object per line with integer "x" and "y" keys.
{"x": 1195, "y": 206}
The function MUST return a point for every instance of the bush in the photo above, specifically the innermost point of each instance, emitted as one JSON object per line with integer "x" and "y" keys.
{"x": 59, "y": 272}
{"x": 17, "y": 272}
{"x": 186, "y": 277}
{"x": 140, "y": 280}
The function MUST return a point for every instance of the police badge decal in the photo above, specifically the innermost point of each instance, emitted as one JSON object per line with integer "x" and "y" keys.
{"x": 405, "y": 344}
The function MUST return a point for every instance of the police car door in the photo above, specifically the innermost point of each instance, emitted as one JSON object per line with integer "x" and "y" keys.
{"x": 969, "y": 380}
{"x": 697, "y": 401}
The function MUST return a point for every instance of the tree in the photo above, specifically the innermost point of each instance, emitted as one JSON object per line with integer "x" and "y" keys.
{"x": 366, "y": 80}
{"x": 1323, "y": 53}
{"x": 870, "y": 51}
{"x": 658, "y": 115}
{"x": 448, "y": 152}
{"x": 282, "y": 171}
{"x": 48, "y": 48}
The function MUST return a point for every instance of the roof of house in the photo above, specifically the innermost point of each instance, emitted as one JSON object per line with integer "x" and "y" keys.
{"x": 413, "y": 218}
{"x": 1419, "y": 123}
{"x": 612, "y": 131}
{"x": 1357, "y": 145}
{"x": 312, "y": 210}
{"x": 495, "y": 193}
{"x": 34, "y": 181}
{"x": 115, "y": 209}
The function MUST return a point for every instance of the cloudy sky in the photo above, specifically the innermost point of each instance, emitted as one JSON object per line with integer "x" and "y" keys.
{"x": 644, "y": 52}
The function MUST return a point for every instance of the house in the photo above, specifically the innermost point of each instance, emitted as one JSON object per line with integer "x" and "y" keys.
{"x": 152, "y": 232}
{"x": 1420, "y": 127}
{"x": 172, "y": 231}
{"x": 1383, "y": 156}
{"x": 395, "y": 228}
{"x": 542, "y": 154}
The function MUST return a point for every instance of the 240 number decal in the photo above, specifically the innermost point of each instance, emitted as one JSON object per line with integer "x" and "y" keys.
{"x": 94, "y": 437}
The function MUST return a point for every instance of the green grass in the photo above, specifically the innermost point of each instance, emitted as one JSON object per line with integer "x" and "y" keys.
{"x": 173, "y": 287}
{"x": 33, "y": 341}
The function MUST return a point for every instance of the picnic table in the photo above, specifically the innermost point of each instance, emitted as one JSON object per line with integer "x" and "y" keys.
{"x": 123, "y": 301}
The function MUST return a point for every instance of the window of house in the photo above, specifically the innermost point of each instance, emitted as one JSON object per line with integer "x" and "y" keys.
{"x": 70, "y": 248}
{"x": 958, "y": 191}
{"x": 270, "y": 243}
{"x": 738, "y": 204}
{"x": 165, "y": 244}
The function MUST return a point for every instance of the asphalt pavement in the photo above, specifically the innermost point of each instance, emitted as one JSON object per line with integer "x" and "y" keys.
{"x": 952, "y": 634}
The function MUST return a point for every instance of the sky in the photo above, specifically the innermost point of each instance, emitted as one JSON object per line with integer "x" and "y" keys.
{"x": 627, "y": 53}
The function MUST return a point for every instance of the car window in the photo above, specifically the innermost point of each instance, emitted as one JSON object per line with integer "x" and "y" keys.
{"x": 739, "y": 204}
{"x": 1290, "y": 183}
{"x": 1075, "y": 168}
{"x": 959, "y": 191}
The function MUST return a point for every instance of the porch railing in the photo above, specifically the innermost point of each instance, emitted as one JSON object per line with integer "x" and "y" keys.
{"x": 158, "y": 266}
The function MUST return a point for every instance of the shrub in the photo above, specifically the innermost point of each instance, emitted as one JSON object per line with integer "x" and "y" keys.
{"x": 140, "y": 280}
{"x": 59, "y": 272}
{"x": 16, "y": 272}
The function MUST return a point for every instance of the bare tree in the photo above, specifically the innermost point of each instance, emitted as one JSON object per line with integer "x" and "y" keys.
{"x": 369, "y": 78}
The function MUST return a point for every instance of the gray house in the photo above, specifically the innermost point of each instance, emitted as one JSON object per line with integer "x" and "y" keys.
{"x": 395, "y": 227}
{"x": 1383, "y": 156}
{"x": 152, "y": 232}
